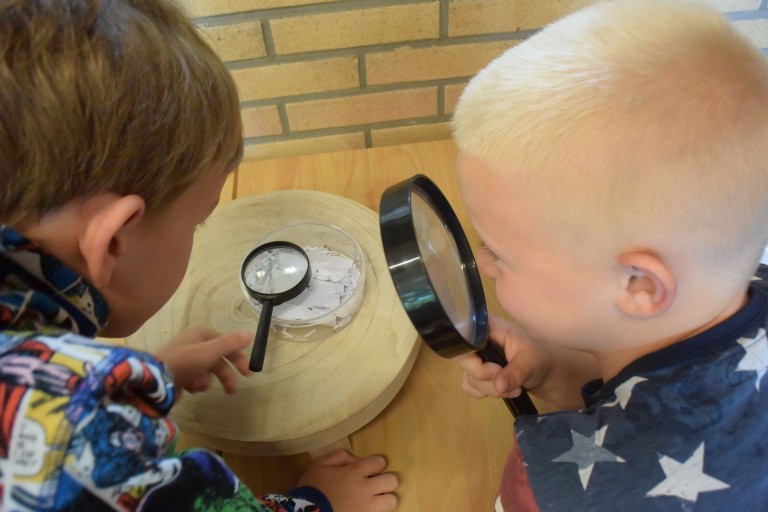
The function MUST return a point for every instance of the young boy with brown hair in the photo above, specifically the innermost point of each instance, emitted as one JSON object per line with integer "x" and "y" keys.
{"x": 118, "y": 128}
{"x": 615, "y": 166}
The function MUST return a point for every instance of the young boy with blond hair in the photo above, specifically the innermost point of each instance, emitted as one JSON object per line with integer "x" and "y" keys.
{"x": 615, "y": 166}
{"x": 118, "y": 128}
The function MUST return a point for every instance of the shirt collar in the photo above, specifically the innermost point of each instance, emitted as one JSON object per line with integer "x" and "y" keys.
{"x": 38, "y": 292}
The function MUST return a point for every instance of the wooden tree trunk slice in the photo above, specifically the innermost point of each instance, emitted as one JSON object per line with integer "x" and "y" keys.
{"x": 310, "y": 393}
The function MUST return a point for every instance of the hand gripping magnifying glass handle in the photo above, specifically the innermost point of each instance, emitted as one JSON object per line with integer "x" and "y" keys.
{"x": 520, "y": 405}
{"x": 260, "y": 339}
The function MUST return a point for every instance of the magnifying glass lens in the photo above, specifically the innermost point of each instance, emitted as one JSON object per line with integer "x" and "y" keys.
{"x": 444, "y": 265}
{"x": 275, "y": 270}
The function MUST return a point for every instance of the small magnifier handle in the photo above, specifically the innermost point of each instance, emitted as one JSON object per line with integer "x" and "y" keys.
{"x": 520, "y": 405}
{"x": 260, "y": 339}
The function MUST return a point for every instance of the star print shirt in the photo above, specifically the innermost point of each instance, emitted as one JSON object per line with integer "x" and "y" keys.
{"x": 83, "y": 425}
{"x": 681, "y": 429}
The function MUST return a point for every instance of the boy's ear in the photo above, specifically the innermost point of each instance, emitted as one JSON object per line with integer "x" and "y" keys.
{"x": 648, "y": 286}
{"x": 104, "y": 239}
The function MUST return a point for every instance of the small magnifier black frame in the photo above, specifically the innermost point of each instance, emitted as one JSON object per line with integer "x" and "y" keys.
{"x": 269, "y": 300}
{"x": 418, "y": 294}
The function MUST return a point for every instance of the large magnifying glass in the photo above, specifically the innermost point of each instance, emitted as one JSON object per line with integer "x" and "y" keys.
{"x": 272, "y": 273}
{"x": 436, "y": 276}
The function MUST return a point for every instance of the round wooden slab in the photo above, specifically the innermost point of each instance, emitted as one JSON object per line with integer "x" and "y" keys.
{"x": 310, "y": 393}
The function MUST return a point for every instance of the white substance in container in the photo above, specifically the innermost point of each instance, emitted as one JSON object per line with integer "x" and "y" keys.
{"x": 334, "y": 278}
{"x": 336, "y": 289}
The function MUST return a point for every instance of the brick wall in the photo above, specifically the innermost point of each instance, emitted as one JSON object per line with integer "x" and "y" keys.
{"x": 325, "y": 75}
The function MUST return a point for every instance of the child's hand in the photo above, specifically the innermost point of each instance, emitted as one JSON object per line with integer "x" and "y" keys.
{"x": 198, "y": 353}
{"x": 353, "y": 484}
{"x": 527, "y": 365}
{"x": 553, "y": 373}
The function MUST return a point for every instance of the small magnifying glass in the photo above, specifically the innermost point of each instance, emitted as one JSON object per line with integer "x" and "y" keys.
{"x": 273, "y": 273}
{"x": 436, "y": 276}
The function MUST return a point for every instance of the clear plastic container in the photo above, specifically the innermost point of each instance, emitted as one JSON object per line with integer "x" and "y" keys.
{"x": 336, "y": 290}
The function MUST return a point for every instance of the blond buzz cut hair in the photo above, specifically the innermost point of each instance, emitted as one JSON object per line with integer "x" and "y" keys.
{"x": 120, "y": 96}
{"x": 638, "y": 123}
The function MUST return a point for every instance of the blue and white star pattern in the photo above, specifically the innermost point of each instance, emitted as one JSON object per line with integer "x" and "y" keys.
{"x": 756, "y": 358}
{"x": 586, "y": 451}
{"x": 686, "y": 479}
{"x": 682, "y": 429}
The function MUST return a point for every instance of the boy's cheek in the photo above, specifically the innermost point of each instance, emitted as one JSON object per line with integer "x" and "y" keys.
{"x": 507, "y": 299}
{"x": 486, "y": 267}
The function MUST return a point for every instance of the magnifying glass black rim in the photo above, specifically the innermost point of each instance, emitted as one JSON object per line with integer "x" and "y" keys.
{"x": 408, "y": 271}
{"x": 286, "y": 295}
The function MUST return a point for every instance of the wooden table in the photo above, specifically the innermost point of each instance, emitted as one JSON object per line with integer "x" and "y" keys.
{"x": 449, "y": 450}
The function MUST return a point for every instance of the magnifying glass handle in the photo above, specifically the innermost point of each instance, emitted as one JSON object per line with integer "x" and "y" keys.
{"x": 520, "y": 405}
{"x": 260, "y": 339}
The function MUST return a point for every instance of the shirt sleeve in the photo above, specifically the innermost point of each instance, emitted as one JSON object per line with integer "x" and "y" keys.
{"x": 205, "y": 483}
{"x": 121, "y": 452}
{"x": 195, "y": 480}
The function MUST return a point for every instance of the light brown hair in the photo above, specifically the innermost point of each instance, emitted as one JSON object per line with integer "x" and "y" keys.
{"x": 117, "y": 96}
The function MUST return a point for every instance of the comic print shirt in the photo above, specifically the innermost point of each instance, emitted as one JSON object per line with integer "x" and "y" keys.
{"x": 681, "y": 429}
{"x": 83, "y": 425}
